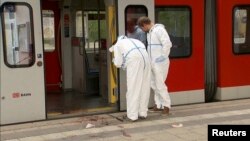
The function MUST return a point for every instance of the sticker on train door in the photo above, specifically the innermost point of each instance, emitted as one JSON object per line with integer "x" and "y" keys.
{"x": 66, "y": 25}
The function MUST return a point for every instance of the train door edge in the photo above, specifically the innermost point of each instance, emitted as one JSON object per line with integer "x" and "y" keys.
{"x": 111, "y": 69}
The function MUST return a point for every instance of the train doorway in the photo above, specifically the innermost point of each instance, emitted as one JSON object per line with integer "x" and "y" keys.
{"x": 78, "y": 79}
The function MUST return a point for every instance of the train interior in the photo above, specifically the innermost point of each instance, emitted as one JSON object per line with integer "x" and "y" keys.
{"x": 76, "y": 58}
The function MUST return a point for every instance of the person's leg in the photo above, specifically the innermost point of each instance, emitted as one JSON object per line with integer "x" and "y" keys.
{"x": 161, "y": 87}
{"x": 133, "y": 91}
{"x": 157, "y": 100}
{"x": 153, "y": 86}
{"x": 145, "y": 91}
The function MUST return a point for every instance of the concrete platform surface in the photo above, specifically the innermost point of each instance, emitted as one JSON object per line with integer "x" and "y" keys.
{"x": 185, "y": 123}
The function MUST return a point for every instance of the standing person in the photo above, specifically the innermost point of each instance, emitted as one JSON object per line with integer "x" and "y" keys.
{"x": 130, "y": 54}
{"x": 134, "y": 31}
{"x": 159, "y": 45}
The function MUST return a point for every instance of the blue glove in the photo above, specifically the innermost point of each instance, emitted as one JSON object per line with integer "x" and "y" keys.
{"x": 160, "y": 59}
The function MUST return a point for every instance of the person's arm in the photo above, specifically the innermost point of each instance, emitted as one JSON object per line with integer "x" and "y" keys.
{"x": 118, "y": 58}
{"x": 165, "y": 40}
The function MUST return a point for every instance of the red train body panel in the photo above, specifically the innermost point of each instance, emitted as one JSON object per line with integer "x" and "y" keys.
{"x": 188, "y": 73}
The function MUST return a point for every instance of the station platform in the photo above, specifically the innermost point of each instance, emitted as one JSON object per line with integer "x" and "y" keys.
{"x": 185, "y": 123}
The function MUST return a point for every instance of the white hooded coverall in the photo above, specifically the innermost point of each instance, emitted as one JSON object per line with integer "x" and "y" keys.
{"x": 131, "y": 54}
{"x": 159, "y": 45}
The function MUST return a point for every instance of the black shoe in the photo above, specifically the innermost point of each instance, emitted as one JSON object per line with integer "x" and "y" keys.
{"x": 155, "y": 109}
{"x": 142, "y": 117}
{"x": 126, "y": 119}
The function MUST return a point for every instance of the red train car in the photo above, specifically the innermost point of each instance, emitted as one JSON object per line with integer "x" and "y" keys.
{"x": 55, "y": 63}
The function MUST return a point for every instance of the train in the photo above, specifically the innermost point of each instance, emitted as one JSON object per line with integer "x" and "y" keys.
{"x": 55, "y": 63}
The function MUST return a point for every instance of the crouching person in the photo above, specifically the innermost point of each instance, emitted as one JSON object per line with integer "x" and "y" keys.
{"x": 130, "y": 54}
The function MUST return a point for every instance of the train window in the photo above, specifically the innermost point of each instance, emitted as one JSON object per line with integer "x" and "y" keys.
{"x": 94, "y": 28}
{"x": 79, "y": 24}
{"x": 132, "y": 14}
{"x": 177, "y": 21}
{"x": 241, "y": 26}
{"x": 18, "y": 34}
{"x": 48, "y": 30}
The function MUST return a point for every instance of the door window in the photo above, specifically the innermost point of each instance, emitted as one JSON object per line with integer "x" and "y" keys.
{"x": 18, "y": 34}
{"x": 132, "y": 14}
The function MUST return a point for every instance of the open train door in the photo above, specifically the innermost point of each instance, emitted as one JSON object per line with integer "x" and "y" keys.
{"x": 21, "y": 62}
{"x": 130, "y": 9}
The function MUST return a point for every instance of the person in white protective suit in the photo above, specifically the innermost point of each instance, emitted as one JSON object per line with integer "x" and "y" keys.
{"x": 131, "y": 54}
{"x": 159, "y": 45}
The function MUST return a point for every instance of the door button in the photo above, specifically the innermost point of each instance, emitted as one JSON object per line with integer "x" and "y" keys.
{"x": 39, "y": 63}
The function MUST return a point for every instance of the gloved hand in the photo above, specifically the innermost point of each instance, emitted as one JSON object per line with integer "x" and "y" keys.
{"x": 160, "y": 59}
